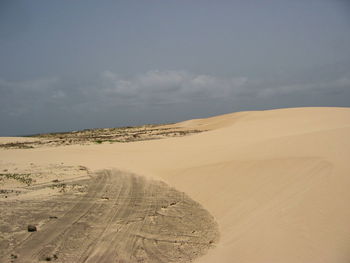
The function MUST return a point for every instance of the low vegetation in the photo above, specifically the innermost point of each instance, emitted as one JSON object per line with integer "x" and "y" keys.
{"x": 99, "y": 136}
{"x": 22, "y": 178}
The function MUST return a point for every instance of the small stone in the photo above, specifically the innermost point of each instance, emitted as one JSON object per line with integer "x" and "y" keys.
{"x": 31, "y": 228}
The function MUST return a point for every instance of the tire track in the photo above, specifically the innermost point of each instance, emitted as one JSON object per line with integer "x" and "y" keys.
{"x": 124, "y": 218}
{"x": 39, "y": 243}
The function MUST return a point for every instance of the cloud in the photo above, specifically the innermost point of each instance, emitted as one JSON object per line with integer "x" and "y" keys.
{"x": 29, "y": 85}
{"x": 170, "y": 86}
{"x": 154, "y": 88}
{"x": 330, "y": 86}
{"x": 19, "y": 97}
{"x": 161, "y": 87}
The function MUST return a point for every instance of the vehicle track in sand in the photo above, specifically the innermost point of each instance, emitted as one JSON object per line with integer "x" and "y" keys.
{"x": 122, "y": 218}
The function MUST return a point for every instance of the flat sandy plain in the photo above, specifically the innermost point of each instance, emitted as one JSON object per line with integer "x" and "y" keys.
{"x": 259, "y": 186}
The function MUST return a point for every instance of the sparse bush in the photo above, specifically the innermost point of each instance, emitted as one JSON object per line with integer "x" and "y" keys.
{"x": 23, "y": 178}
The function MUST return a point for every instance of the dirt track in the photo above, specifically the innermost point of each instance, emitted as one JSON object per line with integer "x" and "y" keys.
{"x": 121, "y": 218}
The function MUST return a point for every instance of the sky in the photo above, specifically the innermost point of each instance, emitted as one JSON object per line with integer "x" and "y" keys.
{"x": 68, "y": 65}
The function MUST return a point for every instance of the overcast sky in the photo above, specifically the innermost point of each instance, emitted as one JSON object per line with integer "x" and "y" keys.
{"x": 68, "y": 65}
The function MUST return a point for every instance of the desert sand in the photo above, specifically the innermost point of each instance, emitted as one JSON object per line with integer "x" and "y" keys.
{"x": 275, "y": 184}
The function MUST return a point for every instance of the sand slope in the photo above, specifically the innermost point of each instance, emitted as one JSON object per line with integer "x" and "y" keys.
{"x": 276, "y": 181}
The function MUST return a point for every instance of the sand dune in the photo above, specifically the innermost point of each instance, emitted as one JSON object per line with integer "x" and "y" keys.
{"x": 277, "y": 182}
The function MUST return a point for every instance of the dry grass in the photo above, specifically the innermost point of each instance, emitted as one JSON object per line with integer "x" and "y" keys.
{"x": 22, "y": 178}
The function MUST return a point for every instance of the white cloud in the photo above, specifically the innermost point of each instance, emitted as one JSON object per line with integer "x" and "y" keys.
{"x": 171, "y": 86}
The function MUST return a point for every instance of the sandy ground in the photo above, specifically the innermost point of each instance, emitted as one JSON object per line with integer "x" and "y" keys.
{"x": 120, "y": 218}
{"x": 275, "y": 181}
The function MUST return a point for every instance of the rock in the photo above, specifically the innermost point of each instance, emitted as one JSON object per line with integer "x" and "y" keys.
{"x": 31, "y": 228}
{"x": 49, "y": 258}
